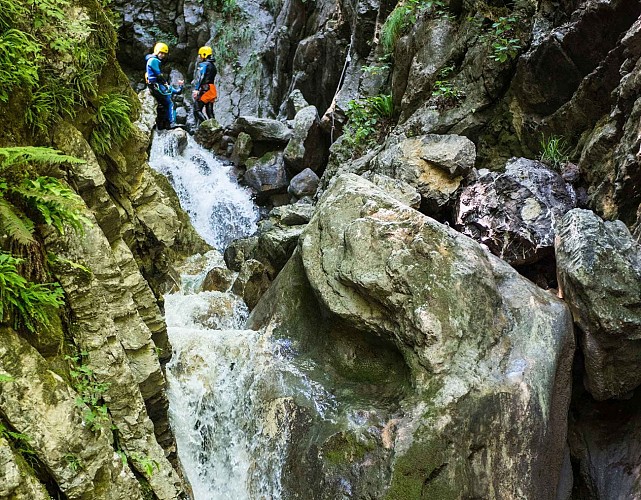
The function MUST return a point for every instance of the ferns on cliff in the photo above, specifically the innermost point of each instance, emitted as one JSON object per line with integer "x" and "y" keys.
{"x": 19, "y": 55}
{"x": 113, "y": 125}
{"x": 25, "y": 302}
{"x": 54, "y": 53}
{"x": 22, "y": 200}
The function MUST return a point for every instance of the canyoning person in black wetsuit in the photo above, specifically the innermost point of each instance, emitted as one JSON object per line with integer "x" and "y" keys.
{"x": 204, "y": 93}
{"x": 160, "y": 88}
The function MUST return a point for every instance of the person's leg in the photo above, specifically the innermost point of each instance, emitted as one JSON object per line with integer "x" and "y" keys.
{"x": 171, "y": 117}
{"x": 199, "y": 116}
{"x": 161, "y": 110}
{"x": 209, "y": 107}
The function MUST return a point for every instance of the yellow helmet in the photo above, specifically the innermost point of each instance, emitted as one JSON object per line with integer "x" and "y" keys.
{"x": 160, "y": 47}
{"x": 204, "y": 51}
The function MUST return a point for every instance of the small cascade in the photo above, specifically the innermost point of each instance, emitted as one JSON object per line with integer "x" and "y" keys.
{"x": 230, "y": 390}
{"x": 220, "y": 209}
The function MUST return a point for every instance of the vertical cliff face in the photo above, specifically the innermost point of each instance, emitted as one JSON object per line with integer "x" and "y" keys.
{"x": 82, "y": 400}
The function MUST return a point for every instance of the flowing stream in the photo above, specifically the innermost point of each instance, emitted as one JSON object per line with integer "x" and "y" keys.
{"x": 228, "y": 387}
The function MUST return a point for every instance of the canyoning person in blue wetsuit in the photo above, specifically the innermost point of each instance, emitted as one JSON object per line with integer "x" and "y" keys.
{"x": 205, "y": 92}
{"x": 160, "y": 88}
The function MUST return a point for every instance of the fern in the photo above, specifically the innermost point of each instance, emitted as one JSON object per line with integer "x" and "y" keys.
{"x": 113, "y": 125}
{"x": 49, "y": 103}
{"x": 18, "y": 155}
{"x": 19, "y": 54}
{"x": 57, "y": 203}
{"x": 28, "y": 303}
{"x": 14, "y": 223}
{"x": 9, "y": 12}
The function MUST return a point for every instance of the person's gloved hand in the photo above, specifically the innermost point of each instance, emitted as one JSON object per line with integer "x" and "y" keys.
{"x": 194, "y": 94}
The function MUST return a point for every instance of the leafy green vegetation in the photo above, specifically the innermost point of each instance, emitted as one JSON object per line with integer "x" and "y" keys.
{"x": 52, "y": 53}
{"x": 28, "y": 303}
{"x": 90, "y": 392}
{"x": 18, "y": 54}
{"x": 555, "y": 151}
{"x": 73, "y": 461}
{"x": 19, "y": 440}
{"x": 113, "y": 125}
{"x": 405, "y": 15}
{"x": 24, "y": 200}
{"x": 445, "y": 92}
{"x": 144, "y": 463}
{"x": 504, "y": 45}
{"x": 501, "y": 36}
{"x": 368, "y": 119}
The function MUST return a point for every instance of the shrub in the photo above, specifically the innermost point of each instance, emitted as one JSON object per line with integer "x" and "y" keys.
{"x": 367, "y": 120}
{"x": 502, "y": 39}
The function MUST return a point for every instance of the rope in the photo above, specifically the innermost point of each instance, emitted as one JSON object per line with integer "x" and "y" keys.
{"x": 340, "y": 82}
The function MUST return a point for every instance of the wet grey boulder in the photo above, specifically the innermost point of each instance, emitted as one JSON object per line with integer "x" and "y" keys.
{"x": 303, "y": 184}
{"x": 276, "y": 246}
{"x": 238, "y": 251}
{"x": 242, "y": 149}
{"x": 218, "y": 279}
{"x": 252, "y": 282}
{"x": 599, "y": 270}
{"x": 434, "y": 164}
{"x": 267, "y": 175}
{"x": 307, "y": 147}
{"x": 262, "y": 129}
{"x": 209, "y": 135}
{"x": 514, "y": 212}
{"x": 292, "y": 215}
{"x": 489, "y": 352}
{"x": 401, "y": 191}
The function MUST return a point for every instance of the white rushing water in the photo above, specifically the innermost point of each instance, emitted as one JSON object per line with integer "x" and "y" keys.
{"x": 219, "y": 208}
{"x": 228, "y": 388}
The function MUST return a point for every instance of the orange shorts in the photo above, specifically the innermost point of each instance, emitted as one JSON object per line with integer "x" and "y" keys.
{"x": 209, "y": 95}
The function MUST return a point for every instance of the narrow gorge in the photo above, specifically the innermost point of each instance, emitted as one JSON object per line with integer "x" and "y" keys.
{"x": 402, "y": 261}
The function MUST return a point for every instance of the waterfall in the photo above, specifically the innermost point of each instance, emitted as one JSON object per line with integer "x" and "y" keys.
{"x": 228, "y": 388}
{"x": 219, "y": 209}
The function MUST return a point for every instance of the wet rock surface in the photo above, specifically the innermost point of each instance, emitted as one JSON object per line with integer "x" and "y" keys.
{"x": 599, "y": 268}
{"x": 514, "y": 212}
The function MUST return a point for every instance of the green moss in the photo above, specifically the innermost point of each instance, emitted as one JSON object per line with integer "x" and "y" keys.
{"x": 415, "y": 474}
{"x": 345, "y": 448}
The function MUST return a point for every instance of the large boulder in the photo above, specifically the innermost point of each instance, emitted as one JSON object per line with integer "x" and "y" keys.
{"x": 434, "y": 164}
{"x": 262, "y": 129}
{"x": 599, "y": 269}
{"x": 303, "y": 184}
{"x": 488, "y": 352}
{"x": 514, "y": 212}
{"x": 308, "y": 147}
{"x": 267, "y": 175}
{"x": 50, "y": 416}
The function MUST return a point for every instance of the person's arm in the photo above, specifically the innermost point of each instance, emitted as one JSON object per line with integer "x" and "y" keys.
{"x": 200, "y": 73}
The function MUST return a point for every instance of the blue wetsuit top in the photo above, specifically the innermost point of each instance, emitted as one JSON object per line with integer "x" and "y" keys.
{"x": 153, "y": 73}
